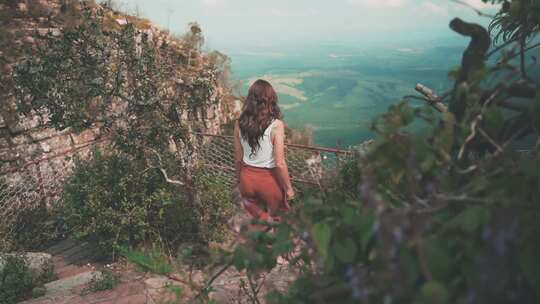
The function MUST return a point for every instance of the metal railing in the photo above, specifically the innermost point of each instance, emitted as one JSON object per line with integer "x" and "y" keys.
{"x": 38, "y": 183}
{"x": 307, "y": 164}
{"x": 41, "y": 181}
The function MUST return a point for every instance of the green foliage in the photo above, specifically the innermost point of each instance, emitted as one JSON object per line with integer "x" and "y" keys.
{"x": 86, "y": 73}
{"x": 138, "y": 87}
{"x": 517, "y": 22}
{"x": 106, "y": 281}
{"x": 217, "y": 207}
{"x": 517, "y": 19}
{"x": 146, "y": 95}
{"x": 29, "y": 228}
{"x": 114, "y": 200}
{"x": 16, "y": 282}
{"x": 178, "y": 291}
{"x": 150, "y": 260}
{"x": 441, "y": 215}
{"x": 111, "y": 200}
{"x": 47, "y": 274}
{"x": 404, "y": 237}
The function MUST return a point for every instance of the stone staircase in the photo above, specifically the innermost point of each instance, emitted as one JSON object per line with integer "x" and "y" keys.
{"x": 74, "y": 271}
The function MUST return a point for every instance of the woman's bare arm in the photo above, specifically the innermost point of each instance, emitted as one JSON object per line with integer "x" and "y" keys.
{"x": 278, "y": 138}
{"x": 238, "y": 151}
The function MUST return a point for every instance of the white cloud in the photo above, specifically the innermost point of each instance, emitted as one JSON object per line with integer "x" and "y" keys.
{"x": 286, "y": 13}
{"x": 379, "y": 3}
{"x": 409, "y": 50}
{"x": 433, "y": 8}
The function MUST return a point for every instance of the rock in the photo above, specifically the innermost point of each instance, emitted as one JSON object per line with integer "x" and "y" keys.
{"x": 45, "y": 31}
{"x": 40, "y": 134}
{"x": 29, "y": 39}
{"x": 66, "y": 284}
{"x": 39, "y": 261}
{"x": 84, "y": 137}
{"x": 28, "y": 138}
{"x": 237, "y": 107}
{"x": 21, "y": 139}
{"x": 19, "y": 125}
{"x": 161, "y": 289}
{"x": 157, "y": 282}
{"x": 38, "y": 292}
{"x": 198, "y": 277}
{"x": 3, "y": 143}
{"x": 23, "y": 7}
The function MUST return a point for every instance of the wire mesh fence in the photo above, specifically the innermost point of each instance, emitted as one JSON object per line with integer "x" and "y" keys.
{"x": 36, "y": 184}
{"x": 307, "y": 164}
{"x": 40, "y": 182}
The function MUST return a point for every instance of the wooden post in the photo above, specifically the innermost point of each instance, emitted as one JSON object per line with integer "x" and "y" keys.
{"x": 41, "y": 189}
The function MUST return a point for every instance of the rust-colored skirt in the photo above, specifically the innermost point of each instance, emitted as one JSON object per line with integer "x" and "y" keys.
{"x": 263, "y": 198}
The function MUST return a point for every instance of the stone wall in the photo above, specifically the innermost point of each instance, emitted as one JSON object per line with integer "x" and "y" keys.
{"x": 22, "y": 139}
{"x": 28, "y": 146}
{"x": 25, "y": 140}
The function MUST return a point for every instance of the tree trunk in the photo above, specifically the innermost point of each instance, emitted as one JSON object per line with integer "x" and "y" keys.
{"x": 522, "y": 44}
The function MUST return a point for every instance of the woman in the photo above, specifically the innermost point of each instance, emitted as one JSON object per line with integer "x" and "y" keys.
{"x": 259, "y": 146}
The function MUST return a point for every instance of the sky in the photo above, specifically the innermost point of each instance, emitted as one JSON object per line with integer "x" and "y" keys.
{"x": 248, "y": 22}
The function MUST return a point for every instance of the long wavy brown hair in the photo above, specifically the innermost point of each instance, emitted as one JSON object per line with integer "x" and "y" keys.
{"x": 260, "y": 109}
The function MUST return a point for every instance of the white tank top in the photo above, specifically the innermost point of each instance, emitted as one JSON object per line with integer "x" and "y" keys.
{"x": 264, "y": 156}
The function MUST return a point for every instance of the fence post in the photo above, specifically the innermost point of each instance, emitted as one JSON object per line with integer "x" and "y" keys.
{"x": 41, "y": 189}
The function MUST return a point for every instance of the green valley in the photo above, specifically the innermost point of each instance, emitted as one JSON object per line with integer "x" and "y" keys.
{"x": 339, "y": 95}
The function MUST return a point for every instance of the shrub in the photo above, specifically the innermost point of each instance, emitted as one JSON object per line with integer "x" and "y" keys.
{"x": 217, "y": 207}
{"x": 114, "y": 200}
{"x": 16, "y": 281}
{"x": 30, "y": 227}
{"x": 46, "y": 274}
{"x": 106, "y": 281}
{"x": 19, "y": 282}
{"x": 37, "y": 10}
{"x": 110, "y": 200}
{"x": 446, "y": 215}
{"x": 122, "y": 199}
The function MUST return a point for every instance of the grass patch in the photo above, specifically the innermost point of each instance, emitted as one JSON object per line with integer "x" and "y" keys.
{"x": 150, "y": 260}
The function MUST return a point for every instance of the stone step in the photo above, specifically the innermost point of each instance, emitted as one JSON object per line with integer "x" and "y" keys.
{"x": 70, "y": 270}
{"x": 60, "y": 291}
{"x": 82, "y": 257}
{"x": 75, "y": 250}
{"x": 56, "y": 299}
{"x": 61, "y": 247}
{"x": 66, "y": 284}
{"x": 76, "y": 255}
{"x": 128, "y": 293}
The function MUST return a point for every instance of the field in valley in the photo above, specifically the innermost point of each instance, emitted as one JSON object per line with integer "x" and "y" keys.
{"x": 340, "y": 95}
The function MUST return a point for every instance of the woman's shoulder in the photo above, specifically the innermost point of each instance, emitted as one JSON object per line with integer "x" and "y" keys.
{"x": 278, "y": 123}
{"x": 278, "y": 126}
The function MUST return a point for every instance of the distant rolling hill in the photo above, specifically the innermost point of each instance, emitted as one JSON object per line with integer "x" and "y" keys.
{"x": 339, "y": 94}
